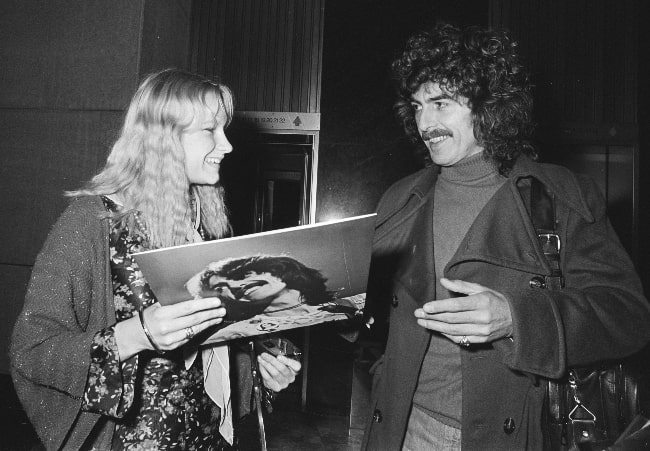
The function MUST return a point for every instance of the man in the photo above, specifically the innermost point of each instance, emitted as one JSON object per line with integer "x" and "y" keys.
{"x": 473, "y": 329}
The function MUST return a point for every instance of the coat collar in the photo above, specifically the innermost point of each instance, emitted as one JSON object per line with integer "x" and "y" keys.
{"x": 558, "y": 179}
{"x": 503, "y": 233}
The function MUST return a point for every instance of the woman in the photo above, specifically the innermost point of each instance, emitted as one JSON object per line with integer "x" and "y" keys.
{"x": 96, "y": 361}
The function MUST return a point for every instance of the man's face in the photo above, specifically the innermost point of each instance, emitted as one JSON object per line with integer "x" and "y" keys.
{"x": 254, "y": 287}
{"x": 445, "y": 124}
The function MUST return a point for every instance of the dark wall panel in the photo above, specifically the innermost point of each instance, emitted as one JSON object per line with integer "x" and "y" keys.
{"x": 165, "y": 35}
{"x": 44, "y": 153}
{"x": 62, "y": 54}
{"x": 583, "y": 55}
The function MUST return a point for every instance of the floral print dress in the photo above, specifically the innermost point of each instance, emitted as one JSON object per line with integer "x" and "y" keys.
{"x": 155, "y": 402}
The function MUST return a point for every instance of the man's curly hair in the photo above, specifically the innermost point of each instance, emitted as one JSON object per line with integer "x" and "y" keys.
{"x": 481, "y": 65}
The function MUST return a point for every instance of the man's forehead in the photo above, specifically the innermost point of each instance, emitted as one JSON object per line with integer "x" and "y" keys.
{"x": 434, "y": 89}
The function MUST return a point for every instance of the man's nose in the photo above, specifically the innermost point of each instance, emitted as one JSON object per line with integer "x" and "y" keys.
{"x": 427, "y": 119}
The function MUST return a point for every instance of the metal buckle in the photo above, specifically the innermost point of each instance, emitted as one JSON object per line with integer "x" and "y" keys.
{"x": 579, "y": 405}
{"x": 552, "y": 239}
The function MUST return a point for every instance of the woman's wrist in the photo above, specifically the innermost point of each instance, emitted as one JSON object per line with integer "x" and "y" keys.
{"x": 147, "y": 332}
{"x": 130, "y": 338}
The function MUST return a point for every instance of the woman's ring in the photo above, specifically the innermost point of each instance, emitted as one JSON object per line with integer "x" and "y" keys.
{"x": 464, "y": 341}
{"x": 189, "y": 333}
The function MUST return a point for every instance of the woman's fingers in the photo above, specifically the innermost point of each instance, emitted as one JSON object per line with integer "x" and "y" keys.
{"x": 175, "y": 325}
{"x": 190, "y": 307}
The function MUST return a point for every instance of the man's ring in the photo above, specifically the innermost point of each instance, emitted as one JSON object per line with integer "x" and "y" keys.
{"x": 189, "y": 333}
{"x": 464, "y": 341}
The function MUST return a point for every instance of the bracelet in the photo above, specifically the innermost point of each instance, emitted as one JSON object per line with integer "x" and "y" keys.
{"x": 268, "y": 397}
{"x": 147, "y": 333}
{"x": 270, "y": 394}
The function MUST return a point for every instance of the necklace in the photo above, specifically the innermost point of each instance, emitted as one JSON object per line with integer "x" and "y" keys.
{"x": 196, "y": 209}
{"x": 140, "y": 224}
{"x": 195, "y": 201}
{"x": 145, "y": 231}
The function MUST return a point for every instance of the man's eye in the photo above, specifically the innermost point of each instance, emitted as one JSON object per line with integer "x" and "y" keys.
{"x": 440, "y": 105}
{"x": 416, "y": 106}
{"x": 223, "y": 290}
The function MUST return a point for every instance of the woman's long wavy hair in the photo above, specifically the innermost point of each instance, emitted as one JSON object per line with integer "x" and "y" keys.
{"x": 146, "y": 165}
{"x": 481, "y": 65}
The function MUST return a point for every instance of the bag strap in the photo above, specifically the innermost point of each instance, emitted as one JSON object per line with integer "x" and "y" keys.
{"x": 618, "y": 387}
{"x": 542, "y": 215}
{"x": 541, "y": 209}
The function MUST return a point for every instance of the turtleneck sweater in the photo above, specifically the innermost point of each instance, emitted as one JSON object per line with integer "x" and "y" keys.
{"x": 461, "y": 192}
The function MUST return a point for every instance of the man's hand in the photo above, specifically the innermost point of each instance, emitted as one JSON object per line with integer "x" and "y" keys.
{"x": 482, "y": 316}
{"x": 277, "y": 372}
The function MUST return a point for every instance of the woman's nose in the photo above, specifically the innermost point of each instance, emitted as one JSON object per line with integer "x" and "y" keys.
{"x": 223, "y": 145}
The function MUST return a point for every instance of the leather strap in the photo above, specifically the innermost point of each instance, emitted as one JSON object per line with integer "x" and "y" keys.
{"x": 610, "y": 389}
{"x": 543, "y": 217}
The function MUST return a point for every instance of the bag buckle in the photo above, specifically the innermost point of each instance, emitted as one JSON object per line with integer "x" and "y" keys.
{"x": 584, "y": 429}
{"x": 550, "y": 242}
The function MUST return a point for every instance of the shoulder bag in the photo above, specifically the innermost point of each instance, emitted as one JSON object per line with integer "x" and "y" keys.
{"x": 589, "y": 408}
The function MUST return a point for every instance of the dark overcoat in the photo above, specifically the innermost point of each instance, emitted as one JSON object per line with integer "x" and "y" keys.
{"x": 601, "y": 313}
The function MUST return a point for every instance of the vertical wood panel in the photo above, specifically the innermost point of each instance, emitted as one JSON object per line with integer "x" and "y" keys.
{"x": 275, "y": 55}
{"x": 284, "y": 86}
{"x": 262, "y": 35}
{"x": 269, "y": 51}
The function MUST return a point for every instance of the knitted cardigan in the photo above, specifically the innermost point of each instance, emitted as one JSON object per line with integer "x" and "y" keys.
{"x": 69, "y": 299}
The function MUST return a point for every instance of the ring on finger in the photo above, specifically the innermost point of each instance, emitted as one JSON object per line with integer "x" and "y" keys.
{"x": 464, "y": 341}
{"x": 189, "y": 333}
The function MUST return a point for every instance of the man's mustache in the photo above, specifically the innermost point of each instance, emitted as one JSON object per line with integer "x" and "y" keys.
{"x": 238, "y": 292}
{"x": 430, "y": 134}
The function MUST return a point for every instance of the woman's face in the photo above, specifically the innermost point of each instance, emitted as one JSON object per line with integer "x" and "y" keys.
{"x": 205, "y": 143}
{"x": 254, "y": 287}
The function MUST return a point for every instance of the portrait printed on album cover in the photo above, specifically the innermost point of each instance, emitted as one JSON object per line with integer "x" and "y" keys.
{"x": 267, "y": 293}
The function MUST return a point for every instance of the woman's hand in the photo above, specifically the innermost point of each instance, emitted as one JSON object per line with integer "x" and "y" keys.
{"x": 277, "y": 372}
{"x": 170, "y": 326}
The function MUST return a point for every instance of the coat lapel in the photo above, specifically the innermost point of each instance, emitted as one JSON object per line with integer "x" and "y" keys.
{"x": 503, "y": 235}
{"x": 417, "y": 273}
